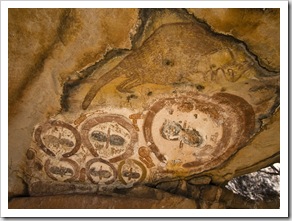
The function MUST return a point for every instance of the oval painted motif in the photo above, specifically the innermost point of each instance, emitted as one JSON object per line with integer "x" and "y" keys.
{"x": 199, "y": 131}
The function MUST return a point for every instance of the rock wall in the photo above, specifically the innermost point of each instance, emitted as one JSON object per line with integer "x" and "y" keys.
{"x": 146, "y": 97}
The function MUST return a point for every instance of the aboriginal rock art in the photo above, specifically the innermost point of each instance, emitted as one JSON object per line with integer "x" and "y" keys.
{"x": 182, "y": 53}
{"x": 189, "y": 133}
{"x": 176, "y": 133}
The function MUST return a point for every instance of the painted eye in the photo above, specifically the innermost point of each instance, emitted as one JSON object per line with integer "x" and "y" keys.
{"x": 100, "y": 173}
{"x": 116, "y": 140}
{"x": 191, "y": 137}
{"x": 170, "y": 130}
{"x": 55, "y": 141}
{"x": 55, "y": 170}
{"x": 131, "y": 174}
{"x": 61, "y": 171}
{"x": 66, "y": 142}
{"x": 99, "y": 136}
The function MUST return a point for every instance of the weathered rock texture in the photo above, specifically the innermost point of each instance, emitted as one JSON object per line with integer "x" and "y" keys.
{"x": 199, "y": 197}
{"x": 77, "y": 38}
{"x": 143, "y": 98}
{"x": 248, "y": 26}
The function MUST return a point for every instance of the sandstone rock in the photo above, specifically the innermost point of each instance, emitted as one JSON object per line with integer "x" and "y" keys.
{"x": 199, "y": 196}
{"x": 70, "y": 45}
{"x": 187, "y": 132}
{"x": 29, "y": 46}
{"x": 142, "y": 198}
{"x": 215, "y": 197}
{"x": 143, "y": 98}
{"x": 248, "y": 25}
{"x": 39, "y": 63}
{"x": 170, "y": 186}
{"x": 200, "y": 180}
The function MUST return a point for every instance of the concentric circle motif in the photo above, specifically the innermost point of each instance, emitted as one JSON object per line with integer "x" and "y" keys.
{"x": 198, "y": 132}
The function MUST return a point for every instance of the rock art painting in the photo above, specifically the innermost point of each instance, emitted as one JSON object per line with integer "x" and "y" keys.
{"x": 182, "y": 52}
{"x": 215, "y": 98}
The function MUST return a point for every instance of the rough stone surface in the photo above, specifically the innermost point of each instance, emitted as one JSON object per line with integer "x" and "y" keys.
{"x": 198, "y": 197}
{"x": 153, "y": 97}
{"x": 39, "y": 64}
{"x": 248, "y": 25}
{"x": 142, "y": 198}
{"x": 69, "y": 39}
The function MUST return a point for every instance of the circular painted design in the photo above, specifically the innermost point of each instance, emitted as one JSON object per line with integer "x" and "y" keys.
{"x": 131, "y": 172}
{"x": 198, "y": 131}
{"x": 65, "y": 170}
{"x": 57, "y": 137}
{"x": 109, "y": 136}
{"x": 100, "y": 171}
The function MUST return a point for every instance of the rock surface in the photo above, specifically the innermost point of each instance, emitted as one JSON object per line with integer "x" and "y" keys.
{"x": 36, "y": 84}
{"x": 142, "y": 198}
{"x": 198, "y": 197}
{"x": 147, "y": 97}
{"x": 248, "y": 26}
